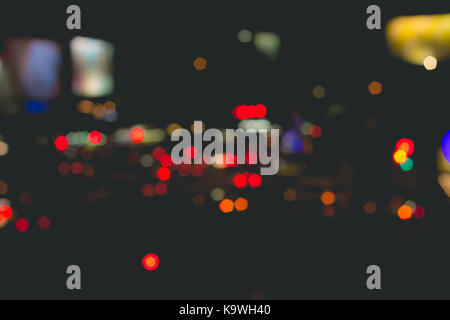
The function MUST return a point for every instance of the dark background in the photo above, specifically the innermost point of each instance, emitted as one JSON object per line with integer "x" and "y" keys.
{"x": 280, "y": 251}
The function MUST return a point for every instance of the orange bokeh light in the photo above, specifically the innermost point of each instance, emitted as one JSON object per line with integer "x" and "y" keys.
{"x": 405, "y": 213}
{"x": 328, "y": 198}
{"x": 241, "y": 204}
{"x": 226, "y": 206}
{"x": 375, "y": 88}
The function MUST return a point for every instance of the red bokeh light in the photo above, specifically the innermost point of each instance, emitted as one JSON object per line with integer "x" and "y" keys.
{"x": 166, "y": 160}
{"x": 77, "y": 168}
{"x": 161, "y": 189}
{"x": 25, "y": 198}
{"x": 137, "y": 135}
{"x": 147, "y": 190}
{"x": 22, "y": 225}
{"x": 406, "y": 145}
{"x": 95, "y": 137}
{"x": 240, "y": 181}
{"x": 44, "y": 223}
{"x": 255, "y": 181}
{"x": 5, "y": 212}
{"x": 164, "y": 174}
{"x": 64, "y": 168}
{"x": 316, "y": 132}
{"x": 419, "y": 212}
{"x": 62, "y": 143}
{"x": 150, "y": 262}
{"x": 158, "y": 153}
{"x": 244, "y": 112}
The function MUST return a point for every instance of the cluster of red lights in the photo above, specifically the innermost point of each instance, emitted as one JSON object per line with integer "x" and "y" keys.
{"x": 160, "y": 189}
{"x": 241, "y": 181}
{"x": 244, "y": 112}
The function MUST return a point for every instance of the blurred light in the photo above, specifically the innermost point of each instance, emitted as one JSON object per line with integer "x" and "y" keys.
{"x": 164, "y": 174}
{"x": 406, "y": 145}
{"x": 166, "y": 160}
{"x": 375, "y": 88}
{"x": 226, "y": 206}
{"x": 44, "y": 223}
{"x": 161, "y": 189}
{"x": 268, "y": 44}
{"x": 4, "y": 148}
{"x": 172, "y": 127}
{"x": 411, "y": 204}
{"x": 147, "y": 190}
{"x": 408, "y": 165}
{"x": 89, "y": 171}
{"x": 217, "y": 194}
{"x": 446, "y": 146}
{"x": 404, "y": 212}
{"x": 5, "y": 213}
{"x": 3, "y": 188}
{"x": 444, "y": 182}
{"x": 328, "y": 211}
{"x": 245, "y": 112}
{"x": 319, "y": 92}
{"x": 92, "y": 61}
{"x": 245, "y": 36}
{"x": 22, "y": 225}
{"x": 146, "y": 161}
{"x": 430, "y": 63}
{"x": 316, "y": 132}
{"x": 241, "y": 204}
{"x": 255, "y": 181}
{"x": 414, "y": 38}
{"x": 290, "y": 195}
{"x": 36, "y": 66}
{"x": 292, "y": 142}
{"x": 25, "y": 198}
{"x": 150, "y": 262}
{"x": 85, "y": 106}
{"x": 137, "y": 135}
{"x": 200, "y": 64}
{"x": 198, "y": 200}
{"x": 305, "y": 128}
{"x": 34, "y": 107}
{"x": 370, "y": 207}
{"x": 400, "y": 157}
{"x": 158, "y": 153}
{"x": 95, "y": 137}
{"x": 64, "y": 168}
{"x": 77, "y": 168}
{"x": 419, "y": 212}
{"x": 240, "y": 181}
{"x": 328, "y": 198}
{"x": 61, "y": 143}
